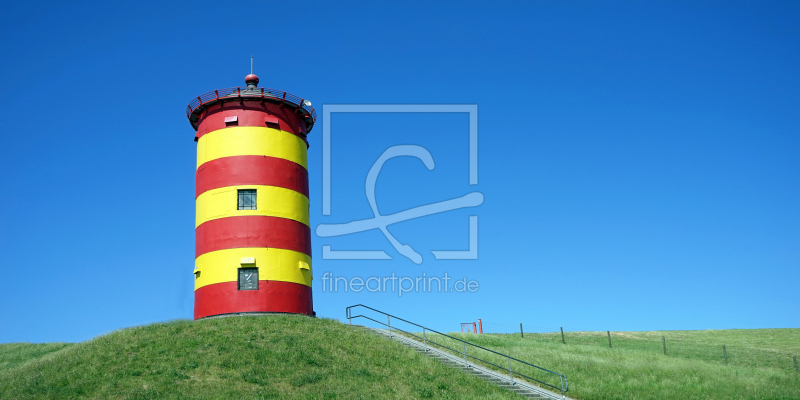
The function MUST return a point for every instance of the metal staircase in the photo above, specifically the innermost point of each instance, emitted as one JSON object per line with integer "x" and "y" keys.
{"x": 465, "y": 360}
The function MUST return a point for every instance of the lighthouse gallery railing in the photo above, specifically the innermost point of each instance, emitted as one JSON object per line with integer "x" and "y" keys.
{"x": 271, "y": 95}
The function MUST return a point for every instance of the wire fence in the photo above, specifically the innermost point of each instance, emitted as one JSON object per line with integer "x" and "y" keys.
{"x": 469, "y": 327}
{"x": 668, "y": 343}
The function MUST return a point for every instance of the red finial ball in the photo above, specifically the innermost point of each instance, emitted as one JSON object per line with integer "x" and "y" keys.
{"x": 252, "y": 78}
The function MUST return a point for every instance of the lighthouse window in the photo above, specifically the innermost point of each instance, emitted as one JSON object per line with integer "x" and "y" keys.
{"x": 247, "y": 199}
{"x": 248, "y": 278}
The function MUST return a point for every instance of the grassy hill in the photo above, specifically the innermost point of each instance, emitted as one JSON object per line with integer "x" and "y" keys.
{"x": 281, "y": 357}
{"x": 14, "y": 354}
{"x": 760, "y": 365}
{"x": 294, "y": 357}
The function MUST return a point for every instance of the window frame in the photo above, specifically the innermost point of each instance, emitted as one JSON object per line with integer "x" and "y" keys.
{"x": 239, "y": 278}
{"x": 241, "y": 194}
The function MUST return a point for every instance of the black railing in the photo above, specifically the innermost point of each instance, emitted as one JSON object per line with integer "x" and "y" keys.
{"x": 563, "y": 384}
{"x": 272, "y": 95}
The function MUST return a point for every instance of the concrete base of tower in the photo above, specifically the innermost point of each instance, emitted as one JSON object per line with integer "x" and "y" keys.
{"x": 271, "y": 297}
{"x": 256, "y": 314}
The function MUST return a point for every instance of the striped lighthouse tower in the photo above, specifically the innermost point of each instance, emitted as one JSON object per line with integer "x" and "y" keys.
{"x": 252, "y": 235}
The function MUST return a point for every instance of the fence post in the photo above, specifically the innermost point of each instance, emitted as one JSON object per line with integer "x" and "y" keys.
{"x": 509, "y": 370}
{"x": 520, "y": 331}
{"x": 424, "y": 339}
{"x": 609, "y": 339}
{"x": 664, "y": 342}
{"x": 480, "y": 325}
{"x": 795, "y": 364}
{"x": 725, "y": 352}
{"x": 389, "y": 319}
{"x": 562, "y": 336}
{"x": 465, "y": 353}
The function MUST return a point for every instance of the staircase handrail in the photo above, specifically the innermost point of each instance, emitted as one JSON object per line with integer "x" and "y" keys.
{"x": 564, "y": 386}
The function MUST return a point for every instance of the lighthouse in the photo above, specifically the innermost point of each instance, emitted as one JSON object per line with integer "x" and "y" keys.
{"x": 252, "y": 233}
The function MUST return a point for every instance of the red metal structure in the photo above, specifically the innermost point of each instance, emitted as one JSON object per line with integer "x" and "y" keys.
{"x": 252, "y": 234}
{"x": 468, "y": 325}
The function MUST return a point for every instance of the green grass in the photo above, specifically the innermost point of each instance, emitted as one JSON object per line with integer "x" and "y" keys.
{"x": 281, "y": 357}
{"x": 14, "y": 354}
{"x": 636, "y": 369}
{"x": 295, "y": 357}
{"x": 745, "y": 347}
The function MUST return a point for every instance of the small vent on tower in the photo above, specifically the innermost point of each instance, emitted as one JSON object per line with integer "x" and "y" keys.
{"x": 231, "y": 121}
{"x": 273, "y": 122}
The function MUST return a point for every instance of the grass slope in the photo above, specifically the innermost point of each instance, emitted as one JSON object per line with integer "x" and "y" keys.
{"x": 636, "y": 368}
{"x": 282, "y": 357}
{"x": 14, "y": 354}
{"x": 745, "y": 347}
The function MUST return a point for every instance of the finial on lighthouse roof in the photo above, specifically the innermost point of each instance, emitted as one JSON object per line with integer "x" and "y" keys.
{"x": 251, "y": 80}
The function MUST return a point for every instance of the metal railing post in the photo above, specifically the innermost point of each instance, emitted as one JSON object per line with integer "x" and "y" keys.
{"x": 564, "y": 385}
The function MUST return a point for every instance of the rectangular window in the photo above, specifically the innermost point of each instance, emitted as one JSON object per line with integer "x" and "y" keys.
{"x": 248, "y": 278}
{"x": 247, "y": 199}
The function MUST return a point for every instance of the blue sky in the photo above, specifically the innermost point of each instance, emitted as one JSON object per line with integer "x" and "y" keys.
{"x": 639, "y": 160}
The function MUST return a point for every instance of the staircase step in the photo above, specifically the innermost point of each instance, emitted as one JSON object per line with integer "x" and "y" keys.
{"x": 453, "y": 361}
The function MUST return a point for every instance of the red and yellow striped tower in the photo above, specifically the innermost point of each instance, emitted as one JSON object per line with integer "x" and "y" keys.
{"x": 252, "y": 234}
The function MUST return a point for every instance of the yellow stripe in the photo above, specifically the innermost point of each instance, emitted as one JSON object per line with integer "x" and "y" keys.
{"x": 273, "y": 265}
{"x": 271, "y": 201}
{"x": 251, "y": 141}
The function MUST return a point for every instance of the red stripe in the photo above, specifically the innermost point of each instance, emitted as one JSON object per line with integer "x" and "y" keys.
{"x": 251, "y": 113}
{"x": 252, "y": 231}
{"x": 251, "y": 170}
{"x": 271, "y": 296}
